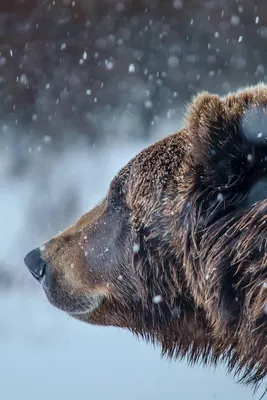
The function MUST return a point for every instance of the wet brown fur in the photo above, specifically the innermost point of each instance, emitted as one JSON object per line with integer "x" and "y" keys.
{"x": 176, "y": 223}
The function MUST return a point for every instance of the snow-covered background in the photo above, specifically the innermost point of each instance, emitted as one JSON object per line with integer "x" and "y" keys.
{"x": 85, "y": 85}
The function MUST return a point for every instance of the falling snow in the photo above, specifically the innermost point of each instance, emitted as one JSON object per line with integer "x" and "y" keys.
{"x": 235, "y": 20}
{"x": 131, "y": 68}
{"x": 157, "y": 299}
{"x": 109, "y": 65}
{"x": 178, "y": 4}
{"x": 47, "y": 139}
{"x": 136, "y": 248}
{"x": 173, "y": 61}
{"x": 220, "y": 197}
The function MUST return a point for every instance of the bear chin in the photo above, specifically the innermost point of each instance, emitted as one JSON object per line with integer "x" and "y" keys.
{"x": 75, "y": 307}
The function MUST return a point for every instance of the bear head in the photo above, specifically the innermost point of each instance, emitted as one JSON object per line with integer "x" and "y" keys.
{"x": 175, "y": 252}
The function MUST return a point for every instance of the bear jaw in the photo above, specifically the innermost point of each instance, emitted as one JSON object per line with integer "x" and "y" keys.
{"x": 94, "y": 302}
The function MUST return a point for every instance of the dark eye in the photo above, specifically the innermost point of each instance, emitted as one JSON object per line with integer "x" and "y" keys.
{"x": 116, "y": 198}
{"x": 118, "y": 188}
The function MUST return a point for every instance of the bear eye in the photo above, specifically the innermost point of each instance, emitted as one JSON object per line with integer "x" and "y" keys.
{"x": 118, "y": 189}
{"x": 116, "y": 195}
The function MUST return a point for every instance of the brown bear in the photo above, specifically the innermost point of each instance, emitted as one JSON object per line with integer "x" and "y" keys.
{"x": 176, "y": 252}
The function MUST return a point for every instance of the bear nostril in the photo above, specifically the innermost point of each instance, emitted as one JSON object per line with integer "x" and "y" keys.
{"x": 35, "y": 263}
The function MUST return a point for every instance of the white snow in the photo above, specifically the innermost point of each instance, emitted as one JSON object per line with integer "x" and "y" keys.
{"x": 157, "y": 299}
{"x": 136, "y": 247}
{"x": 235, "y": 20}
{"x": 131, "y": 68}
{"x": 220, "y": 197}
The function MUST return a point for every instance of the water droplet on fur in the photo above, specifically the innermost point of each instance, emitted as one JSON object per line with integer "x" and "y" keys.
{"x": 136, "y": 247}
{"x": 120, "y": 277}
{"x": 264, "y": 285}
{"x": 265, "y": 309}
{"x": 188, "y": 205}
{"x": 249, "y": 157}
{"x": 220, "y": 197}
{"x": 176, "y": 312}
{"x": 157, "y": 299}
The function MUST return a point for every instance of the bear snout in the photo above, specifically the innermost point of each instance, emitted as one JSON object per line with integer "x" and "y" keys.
{"x": 36, "y": 265}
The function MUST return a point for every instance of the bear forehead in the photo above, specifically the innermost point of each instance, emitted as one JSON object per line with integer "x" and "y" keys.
{"x": 156, "y": 166}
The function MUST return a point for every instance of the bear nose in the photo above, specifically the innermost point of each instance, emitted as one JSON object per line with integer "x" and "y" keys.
{"x": 35, "y": 263}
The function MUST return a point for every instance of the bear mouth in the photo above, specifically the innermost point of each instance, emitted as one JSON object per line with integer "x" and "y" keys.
{"x": 73, "y": 305}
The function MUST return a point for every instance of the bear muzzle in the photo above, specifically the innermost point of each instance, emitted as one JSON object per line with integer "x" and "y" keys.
{"x": 61, "y": 294}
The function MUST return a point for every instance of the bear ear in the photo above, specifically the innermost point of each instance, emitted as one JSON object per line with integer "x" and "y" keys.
{"x": 239, "y": 118}
{"x": 209, "y": 114}
{"x": 204, "y": 115}
{"x": 206, "y": 124}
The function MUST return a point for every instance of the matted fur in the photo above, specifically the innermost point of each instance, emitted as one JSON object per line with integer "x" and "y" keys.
{"x": 175, "y": 251}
